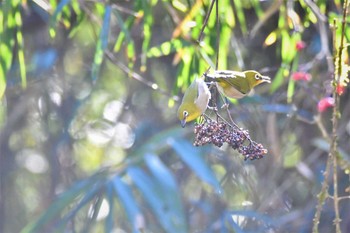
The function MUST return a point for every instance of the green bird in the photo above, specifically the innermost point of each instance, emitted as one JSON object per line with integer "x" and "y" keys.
{"x": 235, "y": 84}
{"x": 195, "y": 101}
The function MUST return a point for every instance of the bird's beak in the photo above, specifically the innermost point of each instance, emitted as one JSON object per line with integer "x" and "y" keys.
{"x": 265, "y": 79}
{"x": 183, "y": 122}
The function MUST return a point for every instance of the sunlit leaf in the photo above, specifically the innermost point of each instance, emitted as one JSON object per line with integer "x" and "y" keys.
{"x": 124, "y": 26}
{"x": 270, "y": 39}
{"x": 225, "y": 39}
{"x": 166, "y": 48}
{"x": 287, "y": 47}
{"x": 179, "y": 5}
{"x": 56, "y": 16}
{"x": 257, "y": 7}
{"x": 19, "y": 37}
{"x": 183, "y": 27}
{"x": 241, "y": 16}
{"x": 147, "y": 33}
{"x": 2, "y": 81}
{"x": 81, "y": 16}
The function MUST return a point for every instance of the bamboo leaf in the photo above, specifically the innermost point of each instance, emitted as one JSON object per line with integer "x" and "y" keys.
{"x": 192, "y": 157}
{"x": 101, "y": 44}
{"x": 61, "y": 202}
{"x": 283, "y": 72}
{"x": 151, "y": 192}
{"x": 166, "y": 48}
{"x": 241, "y": 16}
{"x": 109, "y": 223}
{"x": 147, "y": 33}
{"x": 56, "y": 16}
{"x": 169, "y": 190}
{"x": 127, "y": 200}
{"x": 19, "y": 38}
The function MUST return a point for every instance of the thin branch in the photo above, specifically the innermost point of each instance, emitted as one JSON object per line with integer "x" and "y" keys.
{"x": 217, "y": 34}
{"x": 322, "y": 196}
{"x": 332, "y": 156}
{"x": 205, "y": 21}
{"x": 138, "y": 77}
{"x": 335, "y": 117}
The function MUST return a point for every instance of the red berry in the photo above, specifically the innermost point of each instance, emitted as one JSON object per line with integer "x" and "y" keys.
{"x": 297, "y": 76}
{"x": 340, "y": 89}
{"x": 324, "y": 103}
{"x": 300, "y": 45}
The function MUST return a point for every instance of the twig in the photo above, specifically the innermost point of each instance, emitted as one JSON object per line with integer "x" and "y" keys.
{"x": 335, "y": 116}
{"x": 322, "y": 196}
{"x": 138, "y": 77}
{"x": 217, "y": 34}
{"x": 205, "y": 21}
{"x": 332, "y": 156}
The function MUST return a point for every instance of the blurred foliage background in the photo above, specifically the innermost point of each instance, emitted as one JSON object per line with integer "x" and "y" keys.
{"x": 89, "y": 137}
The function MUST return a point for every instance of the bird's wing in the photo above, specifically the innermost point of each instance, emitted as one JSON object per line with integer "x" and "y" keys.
{"x": 191, "y": 93}
{"x": 234, "y": 79}
{"x": 203, "y": 94}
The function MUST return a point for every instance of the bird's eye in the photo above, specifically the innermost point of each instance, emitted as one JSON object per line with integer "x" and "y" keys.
{"x": 185, "y": 113}
{"x": 257, "y": 77}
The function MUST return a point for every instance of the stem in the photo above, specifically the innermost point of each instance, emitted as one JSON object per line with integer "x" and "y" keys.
{"x": 205, "y": 21}
{"x": 332, "y": 156}
{"x": 333, "y": 150}
{"x": 322, "y": 196}
{"x": 217, "y": 34}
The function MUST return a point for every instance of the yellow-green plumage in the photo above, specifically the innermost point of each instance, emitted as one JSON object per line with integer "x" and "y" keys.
{"x": 195, "y": 101}
{"x": 235, "y": 84}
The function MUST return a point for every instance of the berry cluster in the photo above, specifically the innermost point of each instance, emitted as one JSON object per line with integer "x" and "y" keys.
{"x": 220, "y": 132}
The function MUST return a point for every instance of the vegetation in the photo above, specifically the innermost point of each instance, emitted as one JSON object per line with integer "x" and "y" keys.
{"x": 90, "y": 140}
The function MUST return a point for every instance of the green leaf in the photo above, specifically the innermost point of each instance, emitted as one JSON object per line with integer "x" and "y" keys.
{"x": 152, "y": 193}
{"x": 61, "y": 202}
{"x": 169, "y": 190}
{"x": 127, "y": 200}
{"x": 125, "y": 26}
{"x": 101, "y": 44}
{"x": 81, "y": 16}
{"x": 2, "y": 79}
{"x": 283, "y": 72}
{"x": 192, "y": 157}
{"x": 91, "y": 193}
{"x": 147, "y": 32}
{"x": 56, "y": 16}
{"x": 19, "y": 37}
{"x": 109, "y": 223}
{"x": 240, "y": 15}
{"x": 291, "y": 84}
{"x": 166, "y": 48}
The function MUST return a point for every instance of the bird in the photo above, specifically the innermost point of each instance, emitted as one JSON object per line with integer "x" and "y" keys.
{"x": 236, "y": 84}
{"x": 194, "y": 102}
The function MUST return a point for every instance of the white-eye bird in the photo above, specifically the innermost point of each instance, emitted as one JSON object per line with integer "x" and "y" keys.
{"x": 235, "y": 84}
{"x": 195, "y": 101}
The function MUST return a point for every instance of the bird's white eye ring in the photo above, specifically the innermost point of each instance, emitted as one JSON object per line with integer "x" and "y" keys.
{"x": 185, "y": 113}
{"x": 257, "y": 77}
